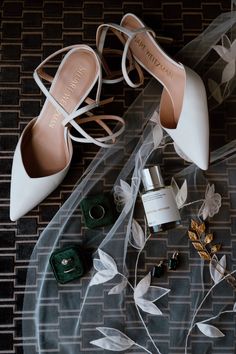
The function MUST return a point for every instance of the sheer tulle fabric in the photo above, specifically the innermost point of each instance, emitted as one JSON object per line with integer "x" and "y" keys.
{"x": 116, "y": 305}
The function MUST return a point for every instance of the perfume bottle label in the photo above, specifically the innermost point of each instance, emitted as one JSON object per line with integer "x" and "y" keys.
{"x": 160, "y": 207}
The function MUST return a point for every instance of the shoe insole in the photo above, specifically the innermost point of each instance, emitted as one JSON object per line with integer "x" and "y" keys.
{"x": 46, "y": 151}
{"x": 170, "y": 74}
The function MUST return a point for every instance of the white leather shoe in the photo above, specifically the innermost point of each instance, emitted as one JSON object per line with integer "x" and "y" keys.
{"x": 183, "y": 106}
{"x": 44, "y": 151}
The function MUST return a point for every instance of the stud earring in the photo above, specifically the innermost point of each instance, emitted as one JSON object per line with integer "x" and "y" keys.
{"x": 173, "y": 261}
{"x": 158, "y": 270}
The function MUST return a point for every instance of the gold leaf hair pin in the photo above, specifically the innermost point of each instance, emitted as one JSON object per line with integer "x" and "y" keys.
{"x": 202, "y": 242}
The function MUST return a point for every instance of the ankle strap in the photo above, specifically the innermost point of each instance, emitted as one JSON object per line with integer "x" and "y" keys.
{"x": 40, "y": 74}
{"x": 101, "y": 36}
{"x": 100, "y": 120}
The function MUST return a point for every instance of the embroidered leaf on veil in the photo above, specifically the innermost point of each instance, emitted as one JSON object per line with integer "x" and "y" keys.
{"x": 138, "y": 238}
{"x": 117, "y": 289}
{"x": 98, "y": 265}
{"x": 106, "y": 268}
{"x": 225, "y": 41}
{"x": 102, "y": 277}
{"x": 154, "y": 293}
{"x": 228, "y": 72}
{"x": 215, "y": 91}
{"x": 180, "y": 193}
{"x": 142, "y": 286}
{"x": 114, "y": 340}
{"x": 221, "y": 50}
{"x": 107, "y": 260}
{"x": 217, "y": 268}
{"x": 211, "y": 204}
{"x": 148, "y": 306}
{"x": 227, "y": 51}
{"x": 157, "y": 134}
{"x": 209, "y": 330}
{"x": 155, "y": 118}
{"x": 145, "y": 295}
{"x": 123, "y": 195}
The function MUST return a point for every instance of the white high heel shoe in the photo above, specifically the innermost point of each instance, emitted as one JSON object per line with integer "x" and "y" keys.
{"x": 44, "y": 151}
{"x": 183, "y": 106}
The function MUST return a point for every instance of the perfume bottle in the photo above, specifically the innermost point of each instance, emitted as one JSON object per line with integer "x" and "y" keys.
{"x": 158, "y": 201}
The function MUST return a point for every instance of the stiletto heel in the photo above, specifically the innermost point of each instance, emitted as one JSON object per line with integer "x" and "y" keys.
{"x": 44, "y": 151}
{"x": 183, "y": 105}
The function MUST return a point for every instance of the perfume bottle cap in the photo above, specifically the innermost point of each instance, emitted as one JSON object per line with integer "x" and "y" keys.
{"x": 152, "y": 178}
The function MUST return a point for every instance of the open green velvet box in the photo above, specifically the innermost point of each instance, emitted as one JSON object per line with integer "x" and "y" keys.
{"x": 67, "y": 264}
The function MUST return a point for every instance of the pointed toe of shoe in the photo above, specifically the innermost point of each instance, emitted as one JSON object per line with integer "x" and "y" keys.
{"x": 24, "y": 196}
{"x": 203, "y": 163}
{"x": 27, "y": 192}
{"x": 17, "y": 211}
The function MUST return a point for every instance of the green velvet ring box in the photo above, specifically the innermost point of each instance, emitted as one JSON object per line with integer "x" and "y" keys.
{"x": 67, "y": 264}
{"x": 98, "y": 210}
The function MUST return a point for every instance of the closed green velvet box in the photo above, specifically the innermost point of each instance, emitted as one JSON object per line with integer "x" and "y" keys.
{"x": 98, "y": 210}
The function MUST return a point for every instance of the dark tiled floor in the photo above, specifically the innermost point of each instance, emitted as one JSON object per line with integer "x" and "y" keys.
{"x": 31, "y": 30}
